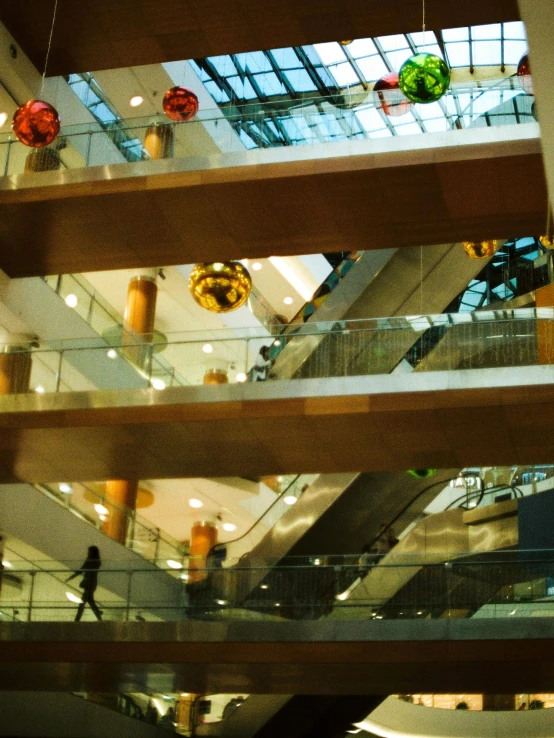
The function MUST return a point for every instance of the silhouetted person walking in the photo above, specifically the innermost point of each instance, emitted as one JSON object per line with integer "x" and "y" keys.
{"x": 89, "y": 582}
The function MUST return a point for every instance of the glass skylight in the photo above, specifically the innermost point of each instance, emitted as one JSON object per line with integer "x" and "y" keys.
{"x": 323, "y": 92}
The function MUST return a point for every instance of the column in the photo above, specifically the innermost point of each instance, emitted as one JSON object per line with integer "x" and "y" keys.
{"x": 158, "y": 140}
{"x": 544, "y": 297}
{"x": 203, "y": 537}
{"x": 1, "y": 560}
{"x": 121, "y": 496}
{"x": 140, "y": 314}
{"x": 15, "y": 365}
{"x": 42, "y": 160}
{"x": 216, "y": 372}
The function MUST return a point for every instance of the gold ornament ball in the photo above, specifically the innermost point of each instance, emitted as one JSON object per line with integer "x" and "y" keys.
{"x": 480, "y": 249}
{"x": 547, "y": 241}
{"x": 220, "y": 287}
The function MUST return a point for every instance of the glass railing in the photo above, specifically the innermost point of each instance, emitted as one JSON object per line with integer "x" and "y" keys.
{"x": 508, "y": 338}
{"x": 95, "y": 508}
{"x": 313, "y": 121}
{"x": 105, "y": 321}
{"x": 493, "y": 585}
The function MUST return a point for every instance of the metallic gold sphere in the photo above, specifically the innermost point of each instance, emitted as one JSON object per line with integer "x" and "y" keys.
{"x": 345, "y": 43}
{"x": 220, "y": 287}
{"x": 480, "y": 249}
{"x": 547, "y": 241}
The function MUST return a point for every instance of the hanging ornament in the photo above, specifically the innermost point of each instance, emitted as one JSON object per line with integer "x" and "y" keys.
{"x": 422, "y": 473}
{"x": 180, "y": 103}
{"x": 36, "y": 123}
{"x": 345, "y": 43}
{"x": 424, "y": 78}
{"x": 547, "y": 241}
{"x": 220, "y": 287}
{"x": 480, "y": 249}
{"x": 388, "y": 97}
{"x": 524, "y": 75}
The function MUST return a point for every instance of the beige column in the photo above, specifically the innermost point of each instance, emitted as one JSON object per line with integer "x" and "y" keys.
{"x": 544, "y": 297}
{"x": 42, "y": 160}
{"x": 15, "y": 366}
{"x": 158, "y": 140}
{"x": 216, "y": 372}
{"x": 139, "y": 317}
{"x": 140, "y": 313}
{"x": 121, "y": 499}
{"x": 202, "y": 538}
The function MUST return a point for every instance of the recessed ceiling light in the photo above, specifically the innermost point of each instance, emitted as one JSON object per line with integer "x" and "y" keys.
{"x": 112, "y": 354}
{"x": 276, "y": 342}
{"x": 174, "y": 564}
{"x": 136, "y": 100}
{"x": 241, "y": 377}
{"x": 256, "y": 266}
{"x": 40, "y": 389}
{"x": 7, "y": 564}
{"x": 229, "y": 526}
{"x": 71, "y": 300}
{"x": 65, "y": 488}
{"x": 207, "y": 348}
{"x": 221, "y": 602}
{"x": 343, "y": 596}
{"x": 193, "y": 502}
{"x": 101, "y": 509}
{"x": 3, "y": 118}
{"x": 264, "y": 586}
{"x": 288, "y": 300}
{"x": 158, "y": 384}
{"x": 289, "y": 500}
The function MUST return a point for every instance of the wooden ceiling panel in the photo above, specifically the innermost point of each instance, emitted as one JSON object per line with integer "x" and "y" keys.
{"x": 100, "y": 34}
{"x": 170, "y": 219}
{"x": 255, "y": 431}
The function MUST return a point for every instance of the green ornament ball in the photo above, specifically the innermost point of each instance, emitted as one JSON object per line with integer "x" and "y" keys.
{"x": 422, "y": 473}
{"x": 424, "y": 78}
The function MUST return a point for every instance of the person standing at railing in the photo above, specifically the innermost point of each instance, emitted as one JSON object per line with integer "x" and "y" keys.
{"x": 89, "y": 582}
{"x": 260, "y": 370}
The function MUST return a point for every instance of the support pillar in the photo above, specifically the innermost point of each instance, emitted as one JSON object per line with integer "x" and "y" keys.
{"x": 544, "y": 297}
{"x": 139, "y": 317}
{"x": 159, "y": 140}
{"x": 140, "y": 313}
{"x": 216, "y": 372}
{"x": 121, "y": 495}
{"x": 202, "y": 539}
{"x": 42, "y": 160}
{"x": 15, "y": 366}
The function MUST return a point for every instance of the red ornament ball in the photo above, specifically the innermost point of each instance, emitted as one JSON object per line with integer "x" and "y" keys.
{"x": 389, "y": 98}
{"x": 36, "y": 123}
{"x": 180, "y": 103}
{"x": 524, "y": 74}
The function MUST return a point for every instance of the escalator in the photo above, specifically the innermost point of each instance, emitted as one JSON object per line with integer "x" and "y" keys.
{"x": 456, "y": 541}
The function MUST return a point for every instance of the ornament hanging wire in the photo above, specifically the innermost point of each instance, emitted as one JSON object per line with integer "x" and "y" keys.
{"x": 48, "y": 47}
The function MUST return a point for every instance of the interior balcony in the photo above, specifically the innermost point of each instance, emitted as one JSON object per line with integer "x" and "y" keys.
{"x": 344, "y": 188}
{"x": 456, "y": 382}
